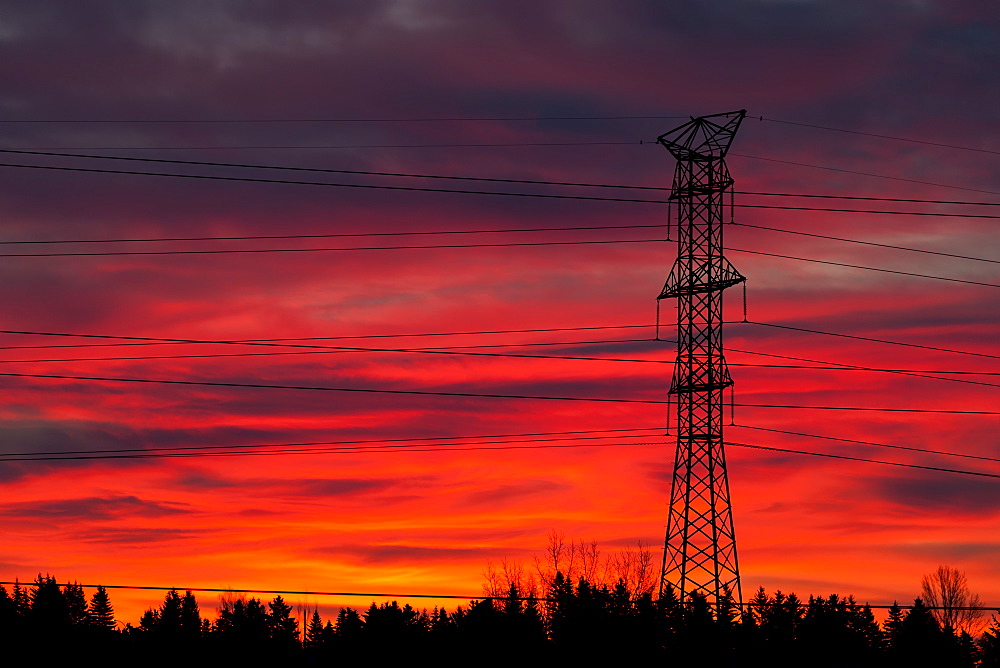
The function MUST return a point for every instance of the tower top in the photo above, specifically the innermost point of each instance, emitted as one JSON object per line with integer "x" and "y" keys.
{"x": 704, "y": 137}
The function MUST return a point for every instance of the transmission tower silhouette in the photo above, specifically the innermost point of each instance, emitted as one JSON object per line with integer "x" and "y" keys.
{"x": 699, "y": 552}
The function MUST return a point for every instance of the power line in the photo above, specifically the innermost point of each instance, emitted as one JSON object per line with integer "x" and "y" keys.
{"x": 447, "y": 447}
{"x": 873, "y": 340}
{"x": 312, "y": 250}
{"x": 394, "y": 442}
{"x": 916, "y": 373}
{"x": 422, "y": 448}
{"x": 866, "y": 243}
{"x": 477, "y": 245}
{"x": 839, "y": 366}
{"x": 866, "y": 199}
{"x": 865, "y": 408}
{"x": 880, "y": 136}
{"x": 230, "y": 590}
{"x": 332, "y": 146}
{"x": 455, "y": 177}
{"x": 350, "y": 120}
{"x": 446, "y": 350}
{"x": 878, "y": 176}
{"x": 287, "y": 342}
{"x": 879, "y": 445}
{"x": 335, "y": 349}
{"x": 326, "y": 170}
{"x": 450, "y": 351}
{"x": 468, "y": 394}
{"x": 368, "y": 186}
{"x": 869, "y": 461}
{"x": 854, "y": 368}
{"x": 858, "y": 266}
{"x": 335, "y": 235}
{"x": 327, "y": 389}
{"x": 424, "y": 233}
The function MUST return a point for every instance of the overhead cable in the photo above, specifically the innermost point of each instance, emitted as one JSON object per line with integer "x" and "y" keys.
{"x": 368, "y": 186}
{"x": 222, "y": 251}
{"x": 879, "y": 445}
{"x": 439, "y": 393}
{"x": 866, "y": 243}
{"x": 858, "y": 266}
{"x": 869, "y": 461}
{"x": 871, "y": 339}
{"x": 877, "y": 176}
{"x": 393, "y": 442}
{"x": 448, "y": 448}
{"x": 457, "y": 177}
{"x": 451, "y": 350}
{"x": 881, "y": 136}
{"x": 449, "y": 119}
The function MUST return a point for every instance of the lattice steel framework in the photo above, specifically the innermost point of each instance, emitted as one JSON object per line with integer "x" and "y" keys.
{"x": 700, "y": 548}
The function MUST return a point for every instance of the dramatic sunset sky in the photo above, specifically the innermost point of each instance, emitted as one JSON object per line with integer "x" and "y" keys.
{"x": 317, "y": 75}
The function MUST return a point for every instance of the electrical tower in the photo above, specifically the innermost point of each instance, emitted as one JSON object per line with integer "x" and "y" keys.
{"x": 700, "y": 549}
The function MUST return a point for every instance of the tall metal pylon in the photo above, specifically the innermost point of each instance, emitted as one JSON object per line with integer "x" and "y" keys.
{"x": 699, "y": 552}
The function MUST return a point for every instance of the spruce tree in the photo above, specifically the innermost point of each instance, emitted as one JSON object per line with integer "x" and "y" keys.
{"x": 349, "y": 623}
{"x": 170, "y": 614}
{"x": 49, "y": 614}
{"x": 314, "y": 631}
{"x": 100, "y": 614}
{"x": 893, "y": 626}
{"x": 8, "y": 616}
{"x": 149, "y": 622}
{"x": 920, "y": 640}
{"x": 22, "y": 601}
{"x": 76, "y": 604}
{"x": 989, "y": 646}
{"x": 284, "y": 629}
{"x": 329, "y": 635}
{"x": 190, "y": 616}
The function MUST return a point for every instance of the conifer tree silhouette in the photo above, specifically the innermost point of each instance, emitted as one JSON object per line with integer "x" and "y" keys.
{"x": 76, "y": 604}
{"x": 169, "y": 617}
{"x": 283, "y": 629}
{"x": 989, "y": 645}
{"x": 329, "y": 634}
{"x": 190, "y": 621}
{"x": 349, "y": 623}
{"x": 100, "y": 613}
{"x": 49, "y": 614}
{"x": 22, "y": 601}
{"x": 314, "y": 631}
{"x": 920, "y": 640}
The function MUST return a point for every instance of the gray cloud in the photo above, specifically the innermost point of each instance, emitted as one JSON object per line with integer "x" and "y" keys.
{"x": 91, "y": 509}
{"x": 515, "y": 491}
{"x": 414, "y": 553}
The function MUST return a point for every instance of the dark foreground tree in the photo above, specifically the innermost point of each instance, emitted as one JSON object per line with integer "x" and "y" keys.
{"x": 989, "y": 645}
{"x": 100, "y": 612}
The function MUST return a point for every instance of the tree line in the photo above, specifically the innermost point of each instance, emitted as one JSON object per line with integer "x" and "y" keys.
{"x": 573, "y": 621}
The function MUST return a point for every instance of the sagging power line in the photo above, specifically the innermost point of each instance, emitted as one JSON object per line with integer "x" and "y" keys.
{"x": 369, "y": 186}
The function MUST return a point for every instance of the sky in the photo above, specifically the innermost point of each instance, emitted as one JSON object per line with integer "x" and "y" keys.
{"x": 543, "y": 90}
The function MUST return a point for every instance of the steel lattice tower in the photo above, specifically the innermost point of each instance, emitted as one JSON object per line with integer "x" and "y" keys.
{"x": 700, "y": 548}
